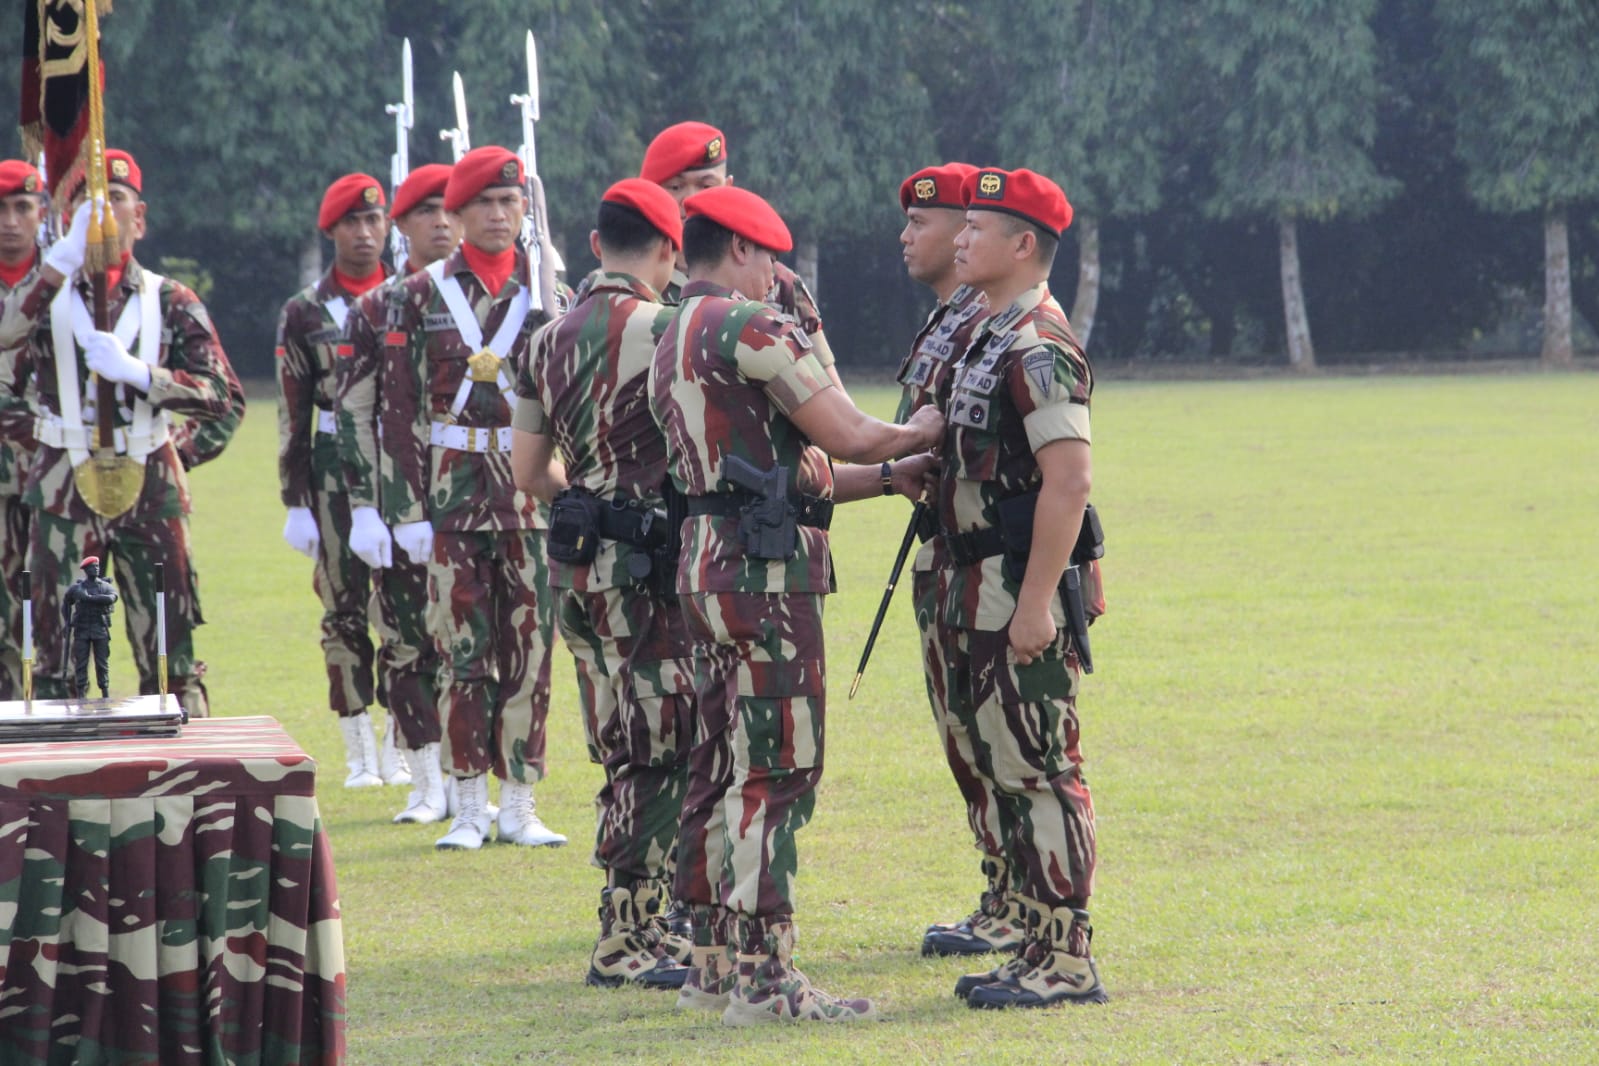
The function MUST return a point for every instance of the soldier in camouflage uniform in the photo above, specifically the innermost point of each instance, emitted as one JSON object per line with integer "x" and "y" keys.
{"x": 584, "y": 391}
{"x": 457, "y": 334}
{"x": 1019, "y": 426}
{"x": 732, "y": 383}
{"x": 21, "y": 211}
{"x": 408, "y": 660}
{"x": 179, "y": 368}
{"x": 310, "y": 335}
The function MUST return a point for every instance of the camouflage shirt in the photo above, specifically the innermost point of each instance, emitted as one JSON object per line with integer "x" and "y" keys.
{"x": 14, "y": 453}
{"x": 586, "y": 385}
{"x": 188, "y": 379}
{"x": 926, "y": 371}
{"x": 198, "y": 442}
{"x": 1023, "y": 383}
{"x": 310, "y": 340}
{"x": 788, "y": 296}
{"x": 355, "y": 401}
{"x": 726, "y": 375}
{"x": 424, "y": 363}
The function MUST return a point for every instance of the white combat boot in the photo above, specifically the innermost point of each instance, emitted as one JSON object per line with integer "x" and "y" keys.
{"x": 426, "y": 803}
{"x": 360, "y": 751}
{"x": 519, "y": 823}
{"x": 392, "y": 767}
{"x": 471, "y": 825}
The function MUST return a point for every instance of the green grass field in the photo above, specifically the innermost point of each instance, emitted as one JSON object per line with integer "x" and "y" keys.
{"x": 1342, "y": 743}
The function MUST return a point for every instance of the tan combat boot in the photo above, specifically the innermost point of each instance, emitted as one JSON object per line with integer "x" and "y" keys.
{"x": 769, "y": 988}
{"x": 998, "y": 925}
{"x": 1030, "y": 954}
{"x": 1065, "y": 972}
{"x": 628, "y": 951}
{"x": 715, "y": 965}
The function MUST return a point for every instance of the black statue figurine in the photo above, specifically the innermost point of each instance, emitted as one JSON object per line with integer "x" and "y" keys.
{"x": 86, "y": 609}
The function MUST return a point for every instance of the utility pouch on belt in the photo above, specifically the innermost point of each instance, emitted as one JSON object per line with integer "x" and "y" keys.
{"x": 767, "y": 523}
{"x": 574, "y": 535}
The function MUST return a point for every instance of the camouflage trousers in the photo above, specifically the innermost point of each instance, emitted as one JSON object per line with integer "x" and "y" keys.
{"x": 13, "y": 561}
{"x": 408, "y": 660}
{"x": 131, "y": 550}
{"x": 984, "y": 812}
{"x": 1022, "y": 721}
{"x": 756, "y": 758}
{"x": 492, "y": 615}
{"x": 634, "y": 647}
{"x": 344, "y": 585}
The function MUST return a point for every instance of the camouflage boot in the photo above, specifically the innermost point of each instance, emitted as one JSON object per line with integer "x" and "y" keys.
{"x": 1030, "y": 954}
{"x": 998, "y": 924}
{"x": 770, "y": 989}
{"x": 360, "y": 751}
{"x": 1065, "y": 974}
{"x": 715, "y": 965}
{"x": 679, "y": 945}
{"x": 627, "y": 951}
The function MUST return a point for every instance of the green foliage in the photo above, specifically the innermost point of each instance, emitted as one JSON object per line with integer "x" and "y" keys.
{"x": 189, "y": 271}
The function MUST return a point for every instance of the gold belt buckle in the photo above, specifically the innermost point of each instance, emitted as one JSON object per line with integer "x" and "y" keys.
{"x": 484, "y": 366}
{"x": 471, "y": 440}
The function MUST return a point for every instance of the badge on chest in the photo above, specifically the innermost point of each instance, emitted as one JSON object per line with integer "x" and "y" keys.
{"x": 969, "y": 410}
{"x": 483, "y": 366}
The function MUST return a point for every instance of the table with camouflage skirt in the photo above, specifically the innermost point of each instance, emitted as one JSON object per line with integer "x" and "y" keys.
{"x": 168, "y": 900}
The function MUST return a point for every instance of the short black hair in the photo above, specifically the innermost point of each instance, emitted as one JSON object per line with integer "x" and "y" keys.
{"x": 705, "y": 243}
{"x": 624, "y": 230}
{"x": 1048, "y": 243}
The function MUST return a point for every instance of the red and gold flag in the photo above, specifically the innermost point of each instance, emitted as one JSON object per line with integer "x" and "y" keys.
{"x": 55, "y": 88}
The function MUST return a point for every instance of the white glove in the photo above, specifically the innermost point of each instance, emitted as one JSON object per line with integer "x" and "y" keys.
{"x": 369, "y": 538}
{"x": 107, "y": 357}
{"x": 300, "y": 532}
{"x": 415, "y": 539}
{"x": 66, "y": 255}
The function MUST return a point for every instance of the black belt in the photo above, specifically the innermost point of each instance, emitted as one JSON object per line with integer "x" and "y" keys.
{"x": 629, "y": 521}
{"x": 813, "y": 511}
{"x": 975, "y": 546}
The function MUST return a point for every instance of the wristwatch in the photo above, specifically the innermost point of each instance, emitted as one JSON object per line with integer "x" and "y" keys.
{"x": 887, "y": 471}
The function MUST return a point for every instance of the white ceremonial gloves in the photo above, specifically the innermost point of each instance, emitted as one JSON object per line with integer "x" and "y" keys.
{"x": 416, "y": 540}
{"x": 369, "y": 538}
{"x": 300, "y": 532}
{"x": 107, "y": 357}
{"x": 66, "y": 256}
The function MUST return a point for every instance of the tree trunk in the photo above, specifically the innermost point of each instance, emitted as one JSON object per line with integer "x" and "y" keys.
{"x": 1087, "y": 301}
{"x": 311, "y": 259}
{"x": 805, "y": 265}
{"x": 1556, "y": 290}
{"x": 1301, "y": 354}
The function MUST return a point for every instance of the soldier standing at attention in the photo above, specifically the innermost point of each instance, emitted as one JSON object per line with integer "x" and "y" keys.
{"x": 86, "y": 613}
{"x": 585, "y": 391}
{"x": 741, "y": 399}
{"x": 21, "y": 211}
{"x": 165, "y": 358}
{"x": 310, "y": 331}
{"x": 1018, "y": 441}
{"x": 408, "y": 660}
{"x": 457, "y": 334}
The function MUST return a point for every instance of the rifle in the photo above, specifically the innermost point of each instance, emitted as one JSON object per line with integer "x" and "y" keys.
{"x": 400, "y": 161}
{"x": 541, "y": 257}
{"x": 460, "y": 137}
{"x": 917, "y": 513}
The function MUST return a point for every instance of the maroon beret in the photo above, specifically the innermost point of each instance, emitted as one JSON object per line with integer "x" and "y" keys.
{"x": 1021, "y": 193}
{"x": 121, "y": 168}
{"x": 353, "y": 192}
{"x": 482, "y": 168}
{"x": 742, "y": 212}
{"x": 17, "y": 176}
{"x": 424, "y": 181}
{"x": 651, "y": 201}
{"x": 685, "y": 146}
{"x": 935, "y": 186}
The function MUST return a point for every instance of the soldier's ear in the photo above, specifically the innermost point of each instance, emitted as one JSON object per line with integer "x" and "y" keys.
{"x": 594, "y": 242}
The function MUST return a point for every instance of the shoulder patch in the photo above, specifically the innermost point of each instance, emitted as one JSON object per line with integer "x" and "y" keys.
{"x": 1040, "y": 367}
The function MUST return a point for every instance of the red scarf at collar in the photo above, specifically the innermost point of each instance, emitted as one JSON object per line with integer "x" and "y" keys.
{"x": 12, "y": 274}
{"x": 113, "y": 274}
{"x": 357, "y": 286}
{"x": 492, "y": 270}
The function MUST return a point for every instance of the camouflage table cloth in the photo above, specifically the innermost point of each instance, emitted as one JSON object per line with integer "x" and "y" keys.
{"x": 168, "y": 900}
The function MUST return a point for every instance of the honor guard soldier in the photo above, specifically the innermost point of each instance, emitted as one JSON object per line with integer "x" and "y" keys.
{"x": 164, "y": 358}
{"x": 408, "y": 660}
{"x": 86, "y": 613}
{"x": 750, "y": 418}
{"x": 457, "y": 334}
{"x": 584, "y": 391}
{"x": 1012, "y": 499}
{"x": 310, "y": 333}
{"x": 21, "y": 213}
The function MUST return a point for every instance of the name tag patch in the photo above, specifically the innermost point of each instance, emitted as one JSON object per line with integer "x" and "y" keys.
{"x": 322, "y": 336}
{"x": 978, "y": 382}
{"x": 439, "y": 322}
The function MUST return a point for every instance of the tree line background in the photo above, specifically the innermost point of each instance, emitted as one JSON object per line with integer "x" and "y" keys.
{"x": 1288, "y": 183}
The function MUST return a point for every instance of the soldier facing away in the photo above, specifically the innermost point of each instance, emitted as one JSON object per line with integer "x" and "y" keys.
{"x": 86, "y": 613}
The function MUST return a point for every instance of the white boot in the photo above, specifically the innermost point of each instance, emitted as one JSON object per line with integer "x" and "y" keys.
{"x": 360, "y": 751}
{"x": 471, "y": 825}
{"x": 451, "y": 807}
{"x": 518, "y": 822}
{"x": 391, "y": 766}
{"x": 425, "y": 804}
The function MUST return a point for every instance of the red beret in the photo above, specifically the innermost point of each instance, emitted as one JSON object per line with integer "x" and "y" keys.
{"x": 651, "y": 201}
{"x": 120, "y": 168}
{"x": 685, "y": 146}
{"x": 1018, "y": 192}
{"x": 89, "y": 560}
{"x": 479, "y": 169}
{"x": 17, "y": 177}
{"x": 742, "y": 212}
{"x": 424, "y": 181}
{"x": 353, "y": 192}
{"x": 935, "y": 186}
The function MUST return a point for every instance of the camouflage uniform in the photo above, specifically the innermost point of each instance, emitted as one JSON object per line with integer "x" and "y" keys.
{"x": 189, "y": 378}
{"x": 788, "y": 296}
{"x": 1023, "y": 383}
{"x": 310, "y": 338}
{"x": 14, "y": 522}
{"x": 487, "y": 614}
{"x": 408, "y": 660}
